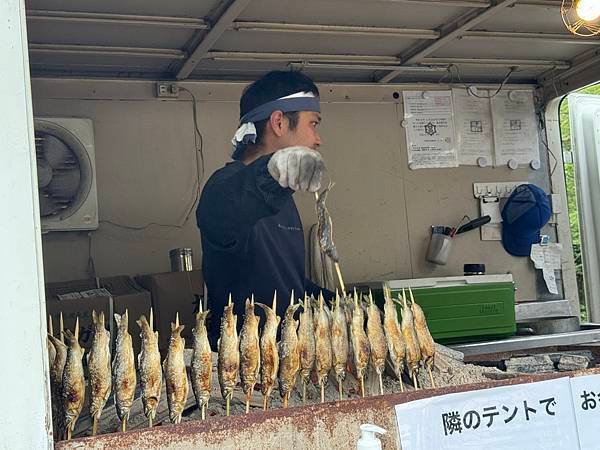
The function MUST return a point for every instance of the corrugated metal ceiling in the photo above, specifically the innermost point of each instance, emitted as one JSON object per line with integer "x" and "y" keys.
{"x": 332, "y": 40}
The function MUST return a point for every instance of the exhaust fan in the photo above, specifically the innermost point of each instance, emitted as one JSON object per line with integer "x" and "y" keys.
{"x": 66, "y": 174}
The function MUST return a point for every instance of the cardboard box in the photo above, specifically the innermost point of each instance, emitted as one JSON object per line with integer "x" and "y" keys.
{"x": 78, "y": 298}
{"x": 174, "y": 292}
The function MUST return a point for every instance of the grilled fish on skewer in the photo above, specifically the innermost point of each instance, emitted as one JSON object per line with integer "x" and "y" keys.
{"x": 289, "y": 356}
{"x": 175, "y": 374}
{"x": 306, "y": 344}
{"x": 393, "y": 336}
{"x": 98, "y": 361}
{"x": 325, "y": 226}
{"x": 123, "y": 366}
{"x": 360, "y": 343}
{"x": 413, "y": 354}
{"x": 339, "y": 342}
{"x": 249, "y": 352}
{"x": 49, "y": 344}
{"x": 323, "y": 356}
{"x": 201, "y": 367}
{"x": 228, "y": 364}
{"x": 150, "y": 368}
{"x": 376, "y": 340}
{"x": 426, "y": 343}
{"x": 56, "y": 374}
{"x": 73, "y": 381}
{"x": 269, "y": 356}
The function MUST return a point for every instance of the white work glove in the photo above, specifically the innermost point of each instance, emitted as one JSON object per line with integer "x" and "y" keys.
{"x": 299, "y": 168}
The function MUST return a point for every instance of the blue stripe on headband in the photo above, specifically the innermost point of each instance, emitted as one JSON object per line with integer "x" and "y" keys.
{"x": 264, "y": 111}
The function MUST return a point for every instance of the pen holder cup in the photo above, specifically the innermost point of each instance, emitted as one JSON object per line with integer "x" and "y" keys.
{"x": 439, "y": 248}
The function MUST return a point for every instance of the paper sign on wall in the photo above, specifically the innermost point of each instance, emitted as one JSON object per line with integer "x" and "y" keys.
{"x": 473, "y": 123}
{"x": 429, "y": 129}
{"x": 547, "y": 258}
{"x": 515, "y": 127}
{"x": 532, "y": 416}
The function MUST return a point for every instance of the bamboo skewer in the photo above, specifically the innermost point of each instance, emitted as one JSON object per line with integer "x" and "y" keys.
{"x": 303, "y": 392}
{"x": 431, "y": 377}
{"x": 62, "y": 328}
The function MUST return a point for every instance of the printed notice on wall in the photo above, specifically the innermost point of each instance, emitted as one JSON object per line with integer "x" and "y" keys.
{"x": 429, "y": 129}
{"x": 531, "y": 416}
{"x": 473, "y": 123}
{"x": 515, "y": 127}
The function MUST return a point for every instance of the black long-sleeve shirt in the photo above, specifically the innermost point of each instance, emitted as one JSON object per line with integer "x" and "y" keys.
{"x": 252, "y": 241}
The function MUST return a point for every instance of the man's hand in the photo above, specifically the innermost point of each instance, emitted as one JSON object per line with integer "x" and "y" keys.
{"x": 299, "y": 168}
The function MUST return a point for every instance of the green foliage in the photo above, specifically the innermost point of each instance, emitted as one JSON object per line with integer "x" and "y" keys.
{"x": 571, "y": 184}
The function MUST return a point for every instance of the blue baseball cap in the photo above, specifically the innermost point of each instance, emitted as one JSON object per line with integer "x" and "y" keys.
{"x": 524, "y": 214}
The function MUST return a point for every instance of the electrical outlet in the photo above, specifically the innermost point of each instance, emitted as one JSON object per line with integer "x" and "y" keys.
{"x": 167, "y": 89}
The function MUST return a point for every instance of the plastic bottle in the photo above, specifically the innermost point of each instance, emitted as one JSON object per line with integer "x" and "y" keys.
{"x": 368, "y": 440}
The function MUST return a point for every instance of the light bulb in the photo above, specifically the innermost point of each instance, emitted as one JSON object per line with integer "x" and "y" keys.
{"x": 588, "y": 10}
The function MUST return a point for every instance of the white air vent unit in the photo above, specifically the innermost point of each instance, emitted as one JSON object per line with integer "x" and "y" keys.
{"x": 66, "y": 173}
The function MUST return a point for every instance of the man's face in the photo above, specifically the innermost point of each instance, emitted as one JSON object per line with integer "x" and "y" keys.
{"x": 305, "y": 134}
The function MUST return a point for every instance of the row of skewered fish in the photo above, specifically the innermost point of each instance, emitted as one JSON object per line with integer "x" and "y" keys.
{"x": 119, "y": 376}
{"x": 324, "y": 341}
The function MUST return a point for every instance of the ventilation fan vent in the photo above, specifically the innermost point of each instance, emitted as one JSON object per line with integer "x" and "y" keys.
{"x": 66, "y": 174}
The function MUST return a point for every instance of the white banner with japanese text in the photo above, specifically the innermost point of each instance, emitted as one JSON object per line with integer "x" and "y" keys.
{"x": 586, "y": 400}
{"x": 532, "y": 416}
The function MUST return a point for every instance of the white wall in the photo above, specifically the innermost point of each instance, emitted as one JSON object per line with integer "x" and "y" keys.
{"x": 382, "y": 211}
{"x": 24, "y": 395}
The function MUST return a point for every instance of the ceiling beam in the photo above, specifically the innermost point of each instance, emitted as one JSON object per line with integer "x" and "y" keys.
{"x": 450, "y": 3}
{"x": 550, "y": 38}
{"x": 159, "y": 53}
{"x": 341, "y": 30}
{"x": 350, "y": 66}
{"x": 234, "y": 9}
{"x": 300, "y": 57}
{"x": 119, "y": 19}
{"x": 449, "y": 33}
{"x": 526, "y": 63}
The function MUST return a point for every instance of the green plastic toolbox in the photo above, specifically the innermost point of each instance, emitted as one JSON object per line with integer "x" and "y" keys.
{"x": 467, "y": 308}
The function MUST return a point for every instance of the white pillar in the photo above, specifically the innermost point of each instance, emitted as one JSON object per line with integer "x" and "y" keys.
{"x": 24, "y": 389}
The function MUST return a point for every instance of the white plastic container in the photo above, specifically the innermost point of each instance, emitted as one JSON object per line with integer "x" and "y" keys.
{"x": 368, "y": 440}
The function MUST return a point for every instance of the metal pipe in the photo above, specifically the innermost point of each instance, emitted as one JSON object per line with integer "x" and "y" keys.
{"x": 497, "y": 62}
{"x": 107, "y": 50}
{"x": 299, "y": 57}
{"x": 403, "y": 69}
{"x": 335, "y": 29}
{"x": 552, "y": 38}
{"x": 121, "y": 19}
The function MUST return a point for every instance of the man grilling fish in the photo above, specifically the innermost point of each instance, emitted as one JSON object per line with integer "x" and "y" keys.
{"x": 252, "y": 237}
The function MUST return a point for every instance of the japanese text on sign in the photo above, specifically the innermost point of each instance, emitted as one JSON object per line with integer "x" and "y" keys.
{"x": 537, "y": 415}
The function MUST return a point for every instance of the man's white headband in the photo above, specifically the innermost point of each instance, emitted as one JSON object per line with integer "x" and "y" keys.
{"x": 246, "y": 133}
